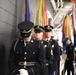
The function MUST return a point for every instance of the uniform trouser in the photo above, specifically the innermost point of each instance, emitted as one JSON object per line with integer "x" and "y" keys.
{"x": 57, "y": 72}
{"x": 52, "y": 73}
{"x": 69, "y": 67}
{"x": 44, "y": 71}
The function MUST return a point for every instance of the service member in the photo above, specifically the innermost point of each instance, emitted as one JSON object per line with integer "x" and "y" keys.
{"x": 70, "y": 56}
{"x": 26, "y": 55}
{"x": 52, "y": 50}
{"x": 39, "y": 30}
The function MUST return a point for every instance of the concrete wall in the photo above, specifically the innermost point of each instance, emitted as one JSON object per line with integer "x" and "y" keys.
{"x": 11, "y": 13}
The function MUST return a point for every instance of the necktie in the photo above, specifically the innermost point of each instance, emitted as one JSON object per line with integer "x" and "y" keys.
{"x": 27, "y": 43}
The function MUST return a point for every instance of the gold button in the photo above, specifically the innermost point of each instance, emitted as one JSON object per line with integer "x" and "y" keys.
{"x": 25, "y": 63}
{"x": 33, "y": 52}
{"x": 24, "y": 58}
{"x": 25, "y": 52}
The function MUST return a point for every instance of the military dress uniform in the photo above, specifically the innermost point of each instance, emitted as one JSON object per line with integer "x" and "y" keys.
{"x": 39, "y": 29}
{"x": 52, "y": 52}
{"x": 28, "y": 56}
{"x": 54, "y": 55}
{"x": 70, "y": 57}
{"x": 46, "y": 55}
{"x": 51, "y": 55}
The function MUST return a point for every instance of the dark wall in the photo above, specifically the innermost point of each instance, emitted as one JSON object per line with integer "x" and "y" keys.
{"x": 5, "y": 43}
{"x": 11, "y": 13}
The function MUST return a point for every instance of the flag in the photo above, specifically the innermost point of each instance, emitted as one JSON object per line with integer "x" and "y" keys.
{"x": 63, "y": 35}
{"x": 45, "y": 16}
{"x": 74, "y": 19}
{"x": 27, "y": 11}
{"x": 73, "y": 1}
{"x": 65, "y": 30}
{"x": 39, "y": 12}
{"x": 67, "y": 27}
{"x": 74, "y": 24}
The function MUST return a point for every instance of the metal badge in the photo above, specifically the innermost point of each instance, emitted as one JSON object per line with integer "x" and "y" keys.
{"x": 51, "y": 52}
{"x": 52, "y": 46}
{"x": 45, "y": 45}
{"x": 24, "y": 31}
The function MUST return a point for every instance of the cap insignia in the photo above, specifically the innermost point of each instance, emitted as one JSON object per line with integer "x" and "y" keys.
{"x": 24, "y": 31}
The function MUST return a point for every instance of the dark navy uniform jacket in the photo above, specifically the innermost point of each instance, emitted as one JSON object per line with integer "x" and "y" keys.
{"x": 33, "y": 52}
{"x": 44, "y": 70}
{"x": 70, "y": 52}
{"x": 52, "y": 54}
{"x": 69, "y": 59}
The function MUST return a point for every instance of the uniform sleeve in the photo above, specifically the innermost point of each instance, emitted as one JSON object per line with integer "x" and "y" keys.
{"x": 11, "y": 61}
{"x": 56, "y": 52}
{"x": 41, "y": 56}
{"x": 49, "y": 57}
{"x": 70, "y": 52}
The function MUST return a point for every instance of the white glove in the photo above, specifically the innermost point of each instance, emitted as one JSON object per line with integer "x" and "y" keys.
{"x": 23, "y": 72}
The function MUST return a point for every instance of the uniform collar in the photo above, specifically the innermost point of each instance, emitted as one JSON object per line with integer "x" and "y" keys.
{"x": 47, "y": 39}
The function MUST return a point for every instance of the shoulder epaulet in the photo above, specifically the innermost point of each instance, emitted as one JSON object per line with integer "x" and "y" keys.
{"x": 44, "y": 40}
{"x": 54, "y": 39}
{"x": 17, "y": 39}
